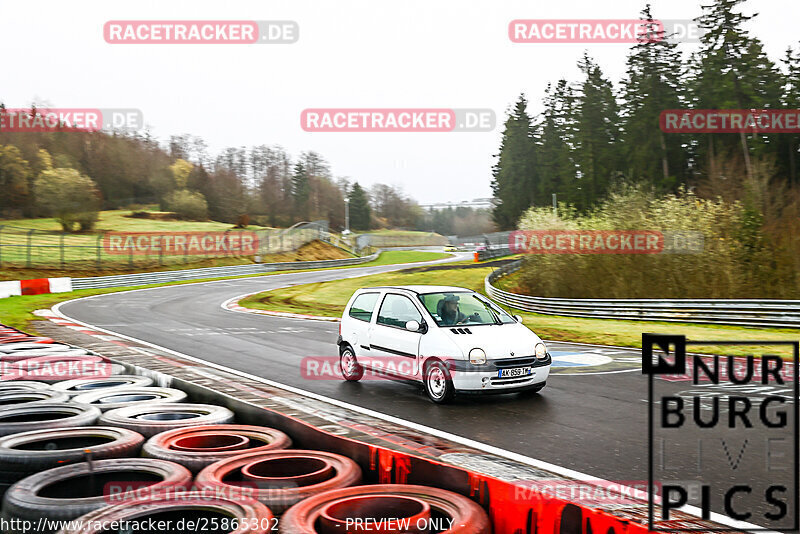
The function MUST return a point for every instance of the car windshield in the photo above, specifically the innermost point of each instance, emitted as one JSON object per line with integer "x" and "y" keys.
{"x": 463, "y": 308}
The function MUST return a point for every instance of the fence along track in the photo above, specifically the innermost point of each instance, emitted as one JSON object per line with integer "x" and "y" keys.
{"x": 32, "y": 248}
{"x": 139, "y": 279}
{"x": 743, "y": 312}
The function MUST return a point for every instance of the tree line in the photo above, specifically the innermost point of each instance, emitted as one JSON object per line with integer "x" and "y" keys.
{"x": 593, "y": 136}
{"x": 262, "y": 184}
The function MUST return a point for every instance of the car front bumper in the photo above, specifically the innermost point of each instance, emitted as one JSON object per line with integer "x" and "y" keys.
{"x": 470, "y": 378}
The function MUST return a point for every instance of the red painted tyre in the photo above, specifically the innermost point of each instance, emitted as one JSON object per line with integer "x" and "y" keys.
{"x": 280, "y": 479}
{"x": 198, "y": 447}
{"x": 321, "y": 513}
{"x": 26, "y": 338}
{"x": 248, "y": 517}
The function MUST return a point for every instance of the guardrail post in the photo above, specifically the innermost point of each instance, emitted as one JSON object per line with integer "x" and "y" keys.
{"x": 1, "y": 245}
{"x": 30, "y": 237}
{"x": 130, "y": 258}
{"x": 99, "y": 252}
{"x": 61, "y": 249}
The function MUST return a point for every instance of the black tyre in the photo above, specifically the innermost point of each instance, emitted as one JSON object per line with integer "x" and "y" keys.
{"x": 89, "y": 385}
{"x": 45, "y": 415}
{"x": 22, "y": 385}
{"x": 438, "y": 383}
{"x": 352, "y": 371}
{"x": 26, "y": 453}
{"x": 150, "y": 419}
{"x": 110, "y": 399}
{"x": 71, "y": 491}
{"x": 16, "y": 398}
{"x": 251, "y": 517}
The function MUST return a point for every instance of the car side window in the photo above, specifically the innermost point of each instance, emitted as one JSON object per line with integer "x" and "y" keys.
{"x": 397, "y": 310}
{"x": 363, "y": 305}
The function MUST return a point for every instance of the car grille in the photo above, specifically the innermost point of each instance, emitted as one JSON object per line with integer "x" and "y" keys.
{"x": 515, "y": 362}
{"x": 511, "y": 380}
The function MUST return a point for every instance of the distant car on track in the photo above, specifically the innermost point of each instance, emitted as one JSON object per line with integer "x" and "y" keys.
{"x": 451, "y": 248}
{"x": 450, "y": 339}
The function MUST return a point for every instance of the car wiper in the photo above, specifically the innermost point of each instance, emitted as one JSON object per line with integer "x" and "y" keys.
{"x": 493, "y": 313}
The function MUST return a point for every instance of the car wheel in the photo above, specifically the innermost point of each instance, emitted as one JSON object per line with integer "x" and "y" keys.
{"x": 438, "y": 384}
{"x": 352, "y": 371}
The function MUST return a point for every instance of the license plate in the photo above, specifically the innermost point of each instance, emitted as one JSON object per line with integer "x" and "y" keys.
{"x": 512, "y": 373}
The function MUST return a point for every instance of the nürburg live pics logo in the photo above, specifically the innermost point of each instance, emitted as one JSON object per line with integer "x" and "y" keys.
{"x": 723, "y": 434}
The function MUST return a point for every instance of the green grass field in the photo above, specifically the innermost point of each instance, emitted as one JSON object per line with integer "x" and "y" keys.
{"x": 329, "y": 298}
{"x": 52, "y": 250}
{"x": 116, "y": 220}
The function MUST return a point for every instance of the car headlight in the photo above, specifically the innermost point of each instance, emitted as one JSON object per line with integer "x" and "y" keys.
{"x": 477, "y": 356}
{"x": 541, "y": 351}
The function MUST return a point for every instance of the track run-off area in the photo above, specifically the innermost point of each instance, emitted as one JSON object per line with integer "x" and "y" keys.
{"x": 591, "y": 418}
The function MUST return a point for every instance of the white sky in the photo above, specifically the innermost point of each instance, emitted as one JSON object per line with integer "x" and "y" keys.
{"x": 351, "y": 53}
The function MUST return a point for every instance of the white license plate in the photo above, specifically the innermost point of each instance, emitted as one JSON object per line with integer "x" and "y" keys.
{"x": 512, "y": 373}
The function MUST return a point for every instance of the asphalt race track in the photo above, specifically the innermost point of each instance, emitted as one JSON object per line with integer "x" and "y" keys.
{"x": 591, "y": 417}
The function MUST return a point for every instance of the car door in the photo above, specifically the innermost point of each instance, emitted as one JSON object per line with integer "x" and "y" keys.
{"x": 359, "y": 322}
{"x": 394, "y": 348}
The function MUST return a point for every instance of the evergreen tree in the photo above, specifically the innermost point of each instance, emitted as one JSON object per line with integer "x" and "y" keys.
{"x": 652, "y": 85}
{"x": 300, "y": 192}
{"x": 514, "y": 174}
{"x": 596, "y": 133}
{"x": 732, "y": 71}
{"x": 557, "y": 169}
{"x": 360, "y": 212}
{"x": 789, "y": 143}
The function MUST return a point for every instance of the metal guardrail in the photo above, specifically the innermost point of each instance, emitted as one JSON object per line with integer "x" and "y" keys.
{"x": 140, "y": 279}
{"x": 494, "y": 252}
{"x": 744, "y": 312}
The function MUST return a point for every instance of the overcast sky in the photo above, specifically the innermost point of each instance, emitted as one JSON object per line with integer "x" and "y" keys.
{"x": 351, "y": 53}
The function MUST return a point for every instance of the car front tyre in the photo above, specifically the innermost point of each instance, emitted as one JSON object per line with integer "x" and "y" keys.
{"x": 438, "y": 383}
{"x": 352, "y": 371}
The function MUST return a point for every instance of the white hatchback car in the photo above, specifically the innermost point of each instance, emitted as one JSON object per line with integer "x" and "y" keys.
{"x": 449, "y": 338}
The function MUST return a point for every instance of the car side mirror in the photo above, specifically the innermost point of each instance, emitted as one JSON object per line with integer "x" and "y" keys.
{"x": 412, "y": 326}
{"x": 518, "y": 318}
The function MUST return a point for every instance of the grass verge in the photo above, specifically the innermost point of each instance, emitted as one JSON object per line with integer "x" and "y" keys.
{"x": 17, "y": 312}
{"x": 329, "y": 298}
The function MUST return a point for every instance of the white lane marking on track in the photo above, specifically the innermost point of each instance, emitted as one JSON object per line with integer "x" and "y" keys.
{"x": 564, "y": 471}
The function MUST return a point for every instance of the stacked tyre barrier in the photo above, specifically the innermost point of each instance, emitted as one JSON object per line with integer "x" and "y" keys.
{"x": 117, "y": 453}
{"x": 118, "y": 448}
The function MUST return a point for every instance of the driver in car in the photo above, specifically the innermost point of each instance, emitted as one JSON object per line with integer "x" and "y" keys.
{"x": 450, "y": 314}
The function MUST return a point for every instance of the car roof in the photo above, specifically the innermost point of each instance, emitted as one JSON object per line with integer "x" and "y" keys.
{"x": 422, "y": 290}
